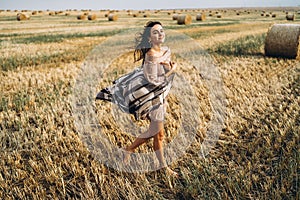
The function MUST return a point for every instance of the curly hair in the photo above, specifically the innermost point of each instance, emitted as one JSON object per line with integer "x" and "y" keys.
{"x": 142, "y": 44}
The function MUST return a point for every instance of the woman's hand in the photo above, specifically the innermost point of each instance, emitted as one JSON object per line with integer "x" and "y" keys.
{"x": 170, "y": 66}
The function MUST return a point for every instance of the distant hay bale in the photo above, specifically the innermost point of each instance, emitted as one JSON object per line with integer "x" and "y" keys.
{"x": 21, "y": 17}
{"x": 34, "y": 12}
{"x": 200, "y": 17}
{"x": 262, "y": 14}
{"x": 81, "y": 17}
{"x": 51, "y": 13}
{"x": 267, "y": 15}
{"x": 67, "y": 14}
{"x": 184, "y": 19}
{"x": 273, "y": 15}
{"x": 135, "y": 15}
{"x": 283, "y": 41}
{"x": 146, "y": 15}
{"x": 92, "y": 17}
{"x": 112, "y": 17}
{"x": 175, "y": 16}
{"x": 290, "y": 17}
{"x": 219, "y": 15}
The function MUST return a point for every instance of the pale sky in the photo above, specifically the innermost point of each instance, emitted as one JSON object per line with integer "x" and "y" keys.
{"x": 139, "y": 4}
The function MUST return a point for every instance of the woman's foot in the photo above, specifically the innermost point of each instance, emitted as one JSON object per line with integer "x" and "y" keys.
{"x": 126, "y": 156}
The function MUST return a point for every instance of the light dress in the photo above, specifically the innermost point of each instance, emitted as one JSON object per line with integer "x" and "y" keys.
{"x": 155, "y": 72}
{"x": 143, "y": 91}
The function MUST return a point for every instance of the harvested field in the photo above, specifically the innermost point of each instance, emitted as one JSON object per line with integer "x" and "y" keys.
{"x": 43, "y": 156}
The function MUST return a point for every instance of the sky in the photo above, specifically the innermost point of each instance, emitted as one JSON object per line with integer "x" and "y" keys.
{"x": 139, "y": 4}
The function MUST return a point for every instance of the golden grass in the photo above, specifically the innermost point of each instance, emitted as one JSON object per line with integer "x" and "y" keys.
{"x": 42, "y": 156}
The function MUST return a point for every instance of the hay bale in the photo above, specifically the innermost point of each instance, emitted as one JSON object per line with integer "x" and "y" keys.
{"x": 175, "y": 16}
{"x": 92, "y": 17}
{"x": 283, "y": 41}
{"x": 112, "y": 17}
{"x": 273, "y": 15}
{"x": 34, "y": 12}
{"x": 200, "y": 17}
{"x": 219, "y": 15}
{"x": 21, "y": 17}
{"x": 184, "y": 19}
{"x": 81, "y": 17}
{"x": 290, "y": 17}
{"x": 135, "y": 15}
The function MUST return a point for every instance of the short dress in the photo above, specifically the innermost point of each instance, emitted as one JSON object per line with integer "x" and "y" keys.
{"x": 155, "y": 72}
{"x": 143, "y": 91}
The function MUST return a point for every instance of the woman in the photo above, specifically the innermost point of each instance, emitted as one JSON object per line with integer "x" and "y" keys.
{"x": 148, "y": 88}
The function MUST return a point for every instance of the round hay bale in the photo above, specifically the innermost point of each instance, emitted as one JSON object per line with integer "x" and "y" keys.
{"x": 184, "y": 19}
{"x": 200, "y": 17}
{"x": 135, "y": 15}
{"x": 81, "y": 17}
{"x": 92, "y": 17}
{"x": 273, "y": 15}
{"x": 51, "y": 13}
{"x": 267, "y": 15}
{"x": 175, "y": 17}
{"x": 219, "y": 15}
{"x": 283, "y": 41}
{"x": 112, "y": 17}
{"x": 290, "y": 17}
{"x": 146, "y": 15}
{"x": 21, "y": 17}
{"x": 34, "y": 12}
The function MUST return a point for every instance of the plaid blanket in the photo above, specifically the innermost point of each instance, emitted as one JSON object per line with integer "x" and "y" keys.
{"x": 135, "y": 95}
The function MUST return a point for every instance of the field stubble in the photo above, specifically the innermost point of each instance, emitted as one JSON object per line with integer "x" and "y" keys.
{"x": 256, "y": 156}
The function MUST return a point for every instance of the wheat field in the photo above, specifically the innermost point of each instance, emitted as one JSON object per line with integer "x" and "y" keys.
{"x": 43, "y": 156}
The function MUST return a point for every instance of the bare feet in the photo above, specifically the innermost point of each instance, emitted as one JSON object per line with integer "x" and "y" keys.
{"x": 126, "y": 156}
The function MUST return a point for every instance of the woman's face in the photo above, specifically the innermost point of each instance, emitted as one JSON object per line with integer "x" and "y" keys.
{"x": 157, "y": 34}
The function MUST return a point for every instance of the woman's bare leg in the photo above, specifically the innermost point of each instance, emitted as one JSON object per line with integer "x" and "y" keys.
{"x": 152, "y": 131}
{"x": 159, "y": 151}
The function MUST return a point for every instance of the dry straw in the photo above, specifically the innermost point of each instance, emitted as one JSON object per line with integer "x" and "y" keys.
{"x": 200, "y": 17}
{"x": 112, "y": 17}
{"x": 283, "y": 41}
{"x": 184, "y": 19}
{"x": 21, "y": 16}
